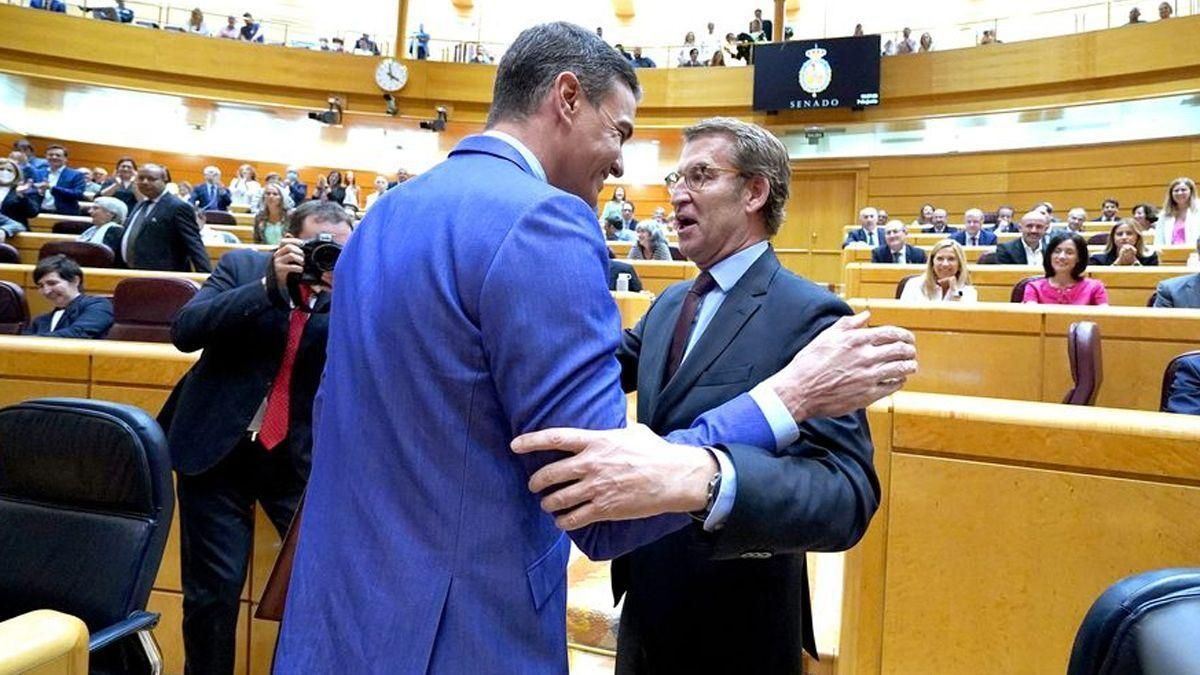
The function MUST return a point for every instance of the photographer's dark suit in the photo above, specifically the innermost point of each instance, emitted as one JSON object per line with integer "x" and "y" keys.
{"x": 736, "y": 600}
{"x": 163, "y": 235}
{"x": 222, "y": 470}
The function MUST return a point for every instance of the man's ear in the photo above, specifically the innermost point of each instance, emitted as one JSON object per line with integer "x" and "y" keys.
{"x": 568, "y": 96}
{"x": 758, "y": 189}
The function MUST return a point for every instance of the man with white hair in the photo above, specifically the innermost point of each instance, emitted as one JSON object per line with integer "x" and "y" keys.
{"x": 211, "y": 195}
{"x": 1076, "y": 217}
{"x": 867, "y": 232}
{"x": 973, "y": 233}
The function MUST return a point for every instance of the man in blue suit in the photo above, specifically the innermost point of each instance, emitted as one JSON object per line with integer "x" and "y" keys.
{"x": 868, "y": 231}
{"x": 1185, "y": 388}
{"x": 421, "y": 549}
{"x": 60, "y": 187}
{"x": 973, "y": 233}
{"x": 211, "y": 195}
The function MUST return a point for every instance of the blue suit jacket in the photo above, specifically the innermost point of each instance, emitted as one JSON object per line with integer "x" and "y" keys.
{"x": 202, "y": 194}
{"x": 421, "y": 548}
{"x": 69, "y": 191}
{"x": 861, "y": 235}
{"x": 1185, "y": 388}
{"x": 986, "y": 238}
{"x": 86, "y": 317}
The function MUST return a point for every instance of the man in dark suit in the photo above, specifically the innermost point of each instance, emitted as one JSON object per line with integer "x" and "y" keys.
{"x": 973, "y": 233}
{"x": 940, "y": 225}
{"x": 616, "y": 267}
{"x": 60, "y": 188}
{"x": 1026, "y": 249}
{"x": 1184, "y": 394}
{"x": 1180, "y": 291}
{"x": 211, "y": 195}
{"x": 297, "y": 190}
{"x": 60, "y": 280}
{"x": 895, "y": 248}
{"x": 768, "y": 26}
{"x": 238, "y": 427}
{"x": 868, "y": 231}
{"x": 735, "y": 579}
{"x": 161, "y": 232}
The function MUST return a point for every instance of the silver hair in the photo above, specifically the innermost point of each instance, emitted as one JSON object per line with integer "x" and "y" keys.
{"x": 115, "y": 206}
{"x": 756, "y": 152}
{"x": 656, "y": 233}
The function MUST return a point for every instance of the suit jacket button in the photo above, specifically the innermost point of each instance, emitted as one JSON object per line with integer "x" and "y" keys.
{"x": 757, "y": 555}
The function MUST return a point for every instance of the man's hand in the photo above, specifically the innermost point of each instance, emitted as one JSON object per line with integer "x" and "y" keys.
{"x": 619, "y": 474}
{"x": 847, "y": 367}
{"x": 287, "y": 259}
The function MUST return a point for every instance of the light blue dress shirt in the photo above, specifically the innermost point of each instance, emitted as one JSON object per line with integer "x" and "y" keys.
{"x": 526, "y": 153}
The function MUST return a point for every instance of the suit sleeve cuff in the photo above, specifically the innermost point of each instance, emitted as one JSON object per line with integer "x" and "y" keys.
{"x": 777, "y": 416}
{"x": 723, "y": 504}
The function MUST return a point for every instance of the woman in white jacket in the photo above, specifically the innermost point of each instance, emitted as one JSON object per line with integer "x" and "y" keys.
{"x": 1179, "y": 221}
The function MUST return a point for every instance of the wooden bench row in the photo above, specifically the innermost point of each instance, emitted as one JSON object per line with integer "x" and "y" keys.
{"x": 1091, "y": 227}
{"x": 1167, "y": 255}
{"x": 45, "y": 225}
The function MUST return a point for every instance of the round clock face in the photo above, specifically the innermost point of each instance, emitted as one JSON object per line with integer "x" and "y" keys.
{"x": 391, "y": 75}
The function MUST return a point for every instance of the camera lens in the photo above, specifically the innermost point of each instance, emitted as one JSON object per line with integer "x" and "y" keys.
{"x": 325, "y": 256}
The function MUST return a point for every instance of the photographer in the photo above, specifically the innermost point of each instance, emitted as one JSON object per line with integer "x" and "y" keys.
{"x": 239, "y": 423}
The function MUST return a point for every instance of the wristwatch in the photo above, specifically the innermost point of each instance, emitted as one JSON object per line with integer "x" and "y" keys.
{"x": 714, "y": 489}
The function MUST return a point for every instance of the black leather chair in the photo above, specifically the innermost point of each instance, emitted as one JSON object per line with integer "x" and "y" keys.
{"x": 1146, "y": 624}
{"x": 1098, "y": 239}
{"x": 9, "y": 255}
{"x": 1018, "y": 291}
{"x": 988, "y": 258}
{"x": 14, "y": 310}
{"x": 676, "y": 254}
{"x": 900, "y": 284}
{"x": 70, "y": 227}
{"x": 1087, "y": 373}
{"x": 144, "y": 307}
{"x": 1152, "y": 299}
{"x": 219, "y": 218}
{"x": 85, "y": 504}
{"x": 1169, "y": 378}
{"x": 85, "y": 253}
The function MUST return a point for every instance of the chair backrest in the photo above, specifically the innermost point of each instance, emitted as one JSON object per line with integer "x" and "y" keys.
{"x": 988, "y": 258}
{"x": 14, "y": 310}
{"x": 1018, "y": 291}
{"x": 1098, "y": 239}
{"x": 676, "y": 254}
{"x": 219, "y": 218}
{"x": 86, "y": 253}
{"x": 1169, "y": 378}
{"x": 85, "y": 506}
{"x": 1152, "y": 299}
{"x": 1083, "y": 351}
{"x": 144, "y": 307}
{"x": 9, "y": 255}
{"x": 70, "y": 227}
{"x": 1145, "y": 624}
{"x": 904, "y": 280}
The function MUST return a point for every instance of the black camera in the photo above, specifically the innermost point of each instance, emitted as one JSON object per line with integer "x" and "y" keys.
{"x": 321, "y": 254}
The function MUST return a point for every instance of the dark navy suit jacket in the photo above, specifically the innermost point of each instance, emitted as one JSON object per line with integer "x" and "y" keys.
{"x": 1185, "y": 389}
{"x": 68, "y": 192}
{"x": 20, "y": 207}
{"x": 202, "y": 196}
{"x": 86, "y": 317}
{"x": 861, "y": 235}
{"x": 912, "y": 255}
{"x": 986, "y": 238}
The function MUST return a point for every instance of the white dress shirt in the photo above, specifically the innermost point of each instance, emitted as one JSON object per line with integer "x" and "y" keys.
{"x": 48, "y": 200}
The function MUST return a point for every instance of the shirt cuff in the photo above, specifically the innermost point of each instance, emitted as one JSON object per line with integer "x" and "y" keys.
{"x": 777, "y": 415}
{"x": 723, "y": 504}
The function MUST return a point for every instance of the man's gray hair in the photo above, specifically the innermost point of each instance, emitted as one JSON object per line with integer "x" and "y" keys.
{"x": 756, "y": 152}
{"x": 540, "y": 54}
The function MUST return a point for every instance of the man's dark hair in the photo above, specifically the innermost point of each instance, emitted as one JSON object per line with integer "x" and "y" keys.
{"x": 59, "y": 264}
{"x": 56, "y": 146}
{"x": 1081, "y": 254}
{"x": 615, "y": 222}
{"x": 1110, "y": 200}
{"x": 540, "y": 53}
{"x": 322, "y": 212}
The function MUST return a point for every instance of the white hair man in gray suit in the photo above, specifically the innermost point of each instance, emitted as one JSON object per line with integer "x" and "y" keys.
{"x": 1181, "y": 292}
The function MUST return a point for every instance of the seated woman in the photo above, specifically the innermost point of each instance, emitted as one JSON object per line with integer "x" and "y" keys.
{"x": 945, "y": 279}
{"x": 651, "y": 243}
{"x": 60, "y": 280}
{"x": 108, "y": 219}
{"x": 1064, "y": 261}
{"x": 1125, "y": 247}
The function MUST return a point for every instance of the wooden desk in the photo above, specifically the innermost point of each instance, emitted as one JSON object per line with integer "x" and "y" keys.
{"x": 1002, "y": 521}
{"x": 1168, "y": 255}
{"x": 28, "y": 244}
{"x": 45, "y": 225}
{"x": 657, "y": 275}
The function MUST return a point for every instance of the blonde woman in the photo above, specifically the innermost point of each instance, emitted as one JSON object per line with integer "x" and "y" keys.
{"x": 1179, "y": 221}
{"x": 245, "y": 189}
{"x": 351, "y": 198}
{"x": 271, "y": 219}
{"x": 946, "y": 278}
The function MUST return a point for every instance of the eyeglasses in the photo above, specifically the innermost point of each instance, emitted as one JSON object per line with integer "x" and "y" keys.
{"x": 695, "y": 177}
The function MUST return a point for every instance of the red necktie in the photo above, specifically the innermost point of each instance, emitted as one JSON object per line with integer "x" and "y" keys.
{"x": 275, "y": 421}
{"x": 687, "y": 316}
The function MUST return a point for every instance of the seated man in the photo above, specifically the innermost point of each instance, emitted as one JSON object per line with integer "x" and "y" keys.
{"x": 973, "y": 233}
{"x": 252, "y": 30}
{"x": 618, "y": 267}
{"x": 867, "y": 232}
{"x": 1184, "y": 394}
{"x": 895, "y": 248}
{"x": 60, "y": 280}
{"x": 1076, "y": 217}
{"x": 1027, "y": 249}
{"x": 614, "y": 230}
{"x": 1180, "y": 291}
{"x": 1109, "y": 210}
{"x": 939, "y": 225}
{"x": 1004, "y": 220}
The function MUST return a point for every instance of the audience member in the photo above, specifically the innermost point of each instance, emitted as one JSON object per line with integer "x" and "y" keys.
{"x": 39, "y": 164}
{"x": 211, "y": 195}
{"x": 365, "y": 44}
{"x": 122, "y": 184}
{"x": 989, "y": 37}
{"x": 895, "y": 248}
{"x": 271, "y": 219}
{"x": 717, "y": 58}
{"x": 925, "y": 218}
{"x": 926, "y": 42}
{"x": 108, "y": 219}
{"x": 693, "y": 60}
{"x": 755, "y": 33}
{"x": 196, "y": 24}
{"x": 90, "y": 187}
{"x": 883, "y": 216}
{"x": 17, "y": 196}
{"x": 1064, "y": 262}
{"x": 1179, "y": 219}
{"x": 50, "y": 5}
{"x": 684, "y": 54}
{"x": 9, "y": 228}
{"x": 1027, "y": 249}
{"x": 351, "y": 198}
{"x": 337, "y": 44}
{"x": 768, "y": 26}
{"x": 1109, "y": 210}
{"x": 651, "y": 243}
{"x": 906, "y": 45}
{"x": 185, "y": 191}
{"x": 1076, "y": 217}
{"x": 75, "y": 315}
{"x": 1004, "y": 220}
{"x": 858, "y": 30}
{"x": 973, "y": 233}
{"x": 119, "y": 14}
{"x": 1184, "y": 394}
{"x": 209, "y": 234}
{"x": 938, "y": 224}
{"x": 1165, "y": 10}
{"x": 381, "y": 188}
{"x": 660, "y": 216}
{"x": 100, "y": 174}
{"x": 1144, "y": 218}
{"x": 337, "y": 191}
{"x": 230, "y": 31}
{"x": 867, "y": 233}
{"x": 418, "y": 43}
{"x": 240, "y": 431}
{"x": 482, "y": 56}
{"x": 619, "y": 267}
{"x": 402, "y": 176}
{"x": 321, "y": 189}
{"x": 710, "y": 42}
{"x": 640, "y": 61}
{"x": 1125, "y": 247}
{"x": 323, "y": 44}
{"x": 251, "y": 30}
{"x": 946, "y": 277}
{"x": 161, "y": 233}
{"x": 297, "y": 189}
{"x": 60, "y": 187}
{"x": 1182, "y": 292}
{"x": 613, "y": 206}
{"x": 628, "y": 222}
{"x": 1135, "y": 16}
{"x": 621, "y": 50}
{"x": 614, "y": 230}
{"x": 736, "y": 53}
{"x": 245, "y": 190}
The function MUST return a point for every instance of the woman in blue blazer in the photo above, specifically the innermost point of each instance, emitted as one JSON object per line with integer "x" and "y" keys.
{"x": 60, "y": 280}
